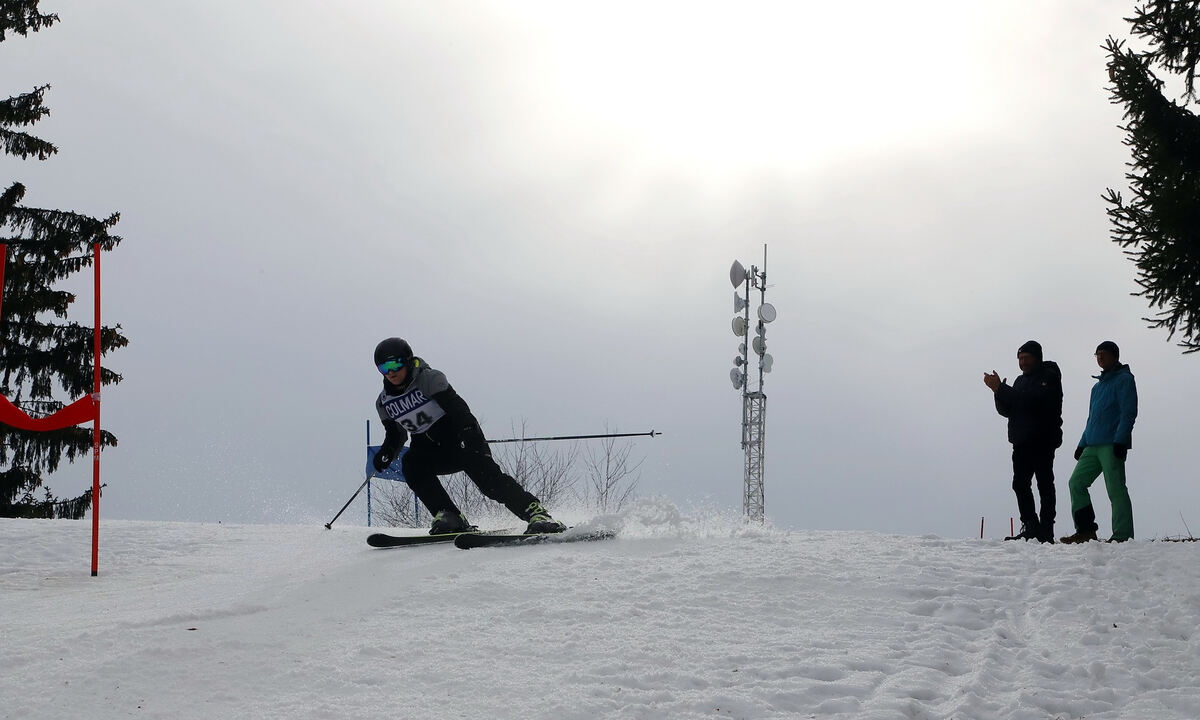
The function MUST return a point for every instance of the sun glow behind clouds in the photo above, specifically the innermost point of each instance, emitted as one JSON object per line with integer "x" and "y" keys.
{"x": 745, "y": 86}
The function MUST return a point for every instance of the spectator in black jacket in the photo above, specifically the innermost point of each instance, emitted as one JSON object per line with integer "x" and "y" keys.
{"x": 1033, "y": 406}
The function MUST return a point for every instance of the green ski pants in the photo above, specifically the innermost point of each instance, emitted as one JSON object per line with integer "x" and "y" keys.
{"x": 1097, "y": 459}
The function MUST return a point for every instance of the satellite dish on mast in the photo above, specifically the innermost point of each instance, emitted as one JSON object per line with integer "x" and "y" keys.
{"x": 766, "y": 312}
{"x": 737, "y": 274}
{"x": 737, "y": 378}
{"x": 739, "y": 304}
{"x": 759, "y": 345}
{"x": 739, "y": 326}
{"x": 767, "y": 362}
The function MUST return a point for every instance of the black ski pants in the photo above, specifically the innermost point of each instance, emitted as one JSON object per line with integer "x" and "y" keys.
{"x": 427, "y": 459}
{"x": 1030, "y": 461}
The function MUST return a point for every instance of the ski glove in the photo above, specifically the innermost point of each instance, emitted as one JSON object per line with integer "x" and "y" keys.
{"x": 382, "y": 459}
{"x": 1078, "y": 452}
{"x": 1120, "y": 450}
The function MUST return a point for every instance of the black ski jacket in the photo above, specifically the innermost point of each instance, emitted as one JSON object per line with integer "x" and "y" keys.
{"x": 427, "y": 405}
{"x": 1033, "y": 406}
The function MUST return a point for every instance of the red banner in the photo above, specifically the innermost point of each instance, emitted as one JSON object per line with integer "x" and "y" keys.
{"x": 81, "y": 411}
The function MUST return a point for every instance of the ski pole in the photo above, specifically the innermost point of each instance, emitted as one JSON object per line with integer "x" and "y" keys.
{"x": 329, "y": 525}
{"x": 652, "y": 433}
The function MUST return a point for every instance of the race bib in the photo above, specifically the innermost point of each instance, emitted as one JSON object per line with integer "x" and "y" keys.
{"x": 413, "y": 411}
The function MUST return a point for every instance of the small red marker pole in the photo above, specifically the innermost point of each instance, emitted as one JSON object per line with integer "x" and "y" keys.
{"x": 980, "y": 528}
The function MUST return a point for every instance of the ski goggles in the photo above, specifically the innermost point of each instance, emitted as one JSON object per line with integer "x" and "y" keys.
{"x": 388, "y": 366}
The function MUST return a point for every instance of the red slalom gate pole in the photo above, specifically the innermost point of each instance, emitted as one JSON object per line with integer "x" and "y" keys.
{"x": 96, "y": 421}
{"x": 981, "y": 528}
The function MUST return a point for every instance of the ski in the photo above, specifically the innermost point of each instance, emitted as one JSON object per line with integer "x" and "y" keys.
{"x": 383, "y": 540}
{"x": 466, "y": 541}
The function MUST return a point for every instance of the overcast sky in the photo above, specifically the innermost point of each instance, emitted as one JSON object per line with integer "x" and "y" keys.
{"x": 545, "y": 198}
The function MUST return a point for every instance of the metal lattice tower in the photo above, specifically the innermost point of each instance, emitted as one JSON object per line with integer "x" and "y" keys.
{"x": 754, "y": 436}
{"x": 754, "y": 402}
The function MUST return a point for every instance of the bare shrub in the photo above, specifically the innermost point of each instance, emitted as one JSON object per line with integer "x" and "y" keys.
{"x": 611, "y": 478}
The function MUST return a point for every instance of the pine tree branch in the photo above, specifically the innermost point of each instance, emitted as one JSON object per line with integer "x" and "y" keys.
{"x": 22, "y": 17}
{"x": 1173, "y": 27}
{"x": 20, "y": 111}
{"x": 60, "y": 227}
{"x": 24, "y": 145}
{"x": 26, "y": 109}
{"x": 9, "y": 200}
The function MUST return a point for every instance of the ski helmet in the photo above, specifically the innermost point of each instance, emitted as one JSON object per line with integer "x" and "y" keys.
{"x": 393, "y": 348}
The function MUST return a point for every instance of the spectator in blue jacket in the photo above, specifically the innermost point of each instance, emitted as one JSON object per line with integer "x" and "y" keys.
{"x": 1106, "y": 440}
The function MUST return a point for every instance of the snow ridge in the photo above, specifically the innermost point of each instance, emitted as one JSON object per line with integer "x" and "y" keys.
{"x": 682, "y": 616}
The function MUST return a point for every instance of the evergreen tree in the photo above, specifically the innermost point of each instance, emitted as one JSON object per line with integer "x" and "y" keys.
{"x": 39, "y": 347}
{"x": 1160, "y": 223}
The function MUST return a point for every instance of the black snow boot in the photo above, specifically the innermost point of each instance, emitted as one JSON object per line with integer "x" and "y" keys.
{"x": 1028, "y": 532}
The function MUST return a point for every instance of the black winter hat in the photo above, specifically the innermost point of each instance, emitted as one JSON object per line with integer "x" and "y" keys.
{"x": 1033, "y": 347}
{"x": 1110, "y": 346}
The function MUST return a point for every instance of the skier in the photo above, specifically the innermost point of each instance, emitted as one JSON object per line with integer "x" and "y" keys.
{"x": 1105, "y": 443}
{"x": 1033, "y": 406}
{"x": 446, "y": 438}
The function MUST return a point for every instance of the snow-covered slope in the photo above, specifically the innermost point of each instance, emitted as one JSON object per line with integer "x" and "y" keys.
{"x": 677, "y": 618}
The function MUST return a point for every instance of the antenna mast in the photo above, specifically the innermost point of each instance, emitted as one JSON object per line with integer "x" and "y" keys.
{"x": 754, "y": 402}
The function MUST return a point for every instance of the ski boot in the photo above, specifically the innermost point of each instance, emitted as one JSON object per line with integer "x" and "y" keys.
{"x": 450, "y": 521}
{"x": 540, "y": 521}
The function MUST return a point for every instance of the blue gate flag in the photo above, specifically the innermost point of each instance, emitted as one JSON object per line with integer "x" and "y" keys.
{"x": 391, "y": 472}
